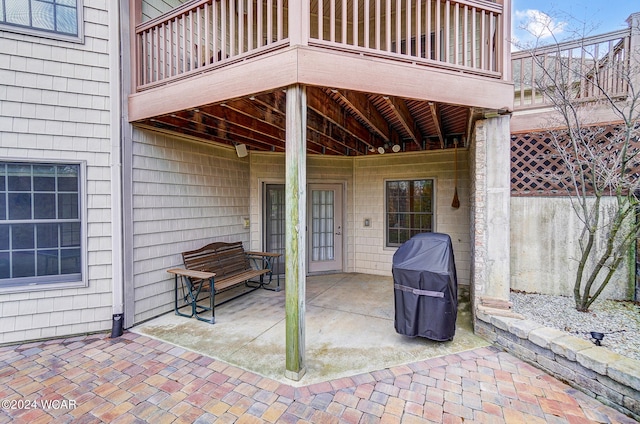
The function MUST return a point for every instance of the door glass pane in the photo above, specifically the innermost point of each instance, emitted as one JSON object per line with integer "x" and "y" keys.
{"x": 322, "y": 223}
{"x": 274, "y": 224}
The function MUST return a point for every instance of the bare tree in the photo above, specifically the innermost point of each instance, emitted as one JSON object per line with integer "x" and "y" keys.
{"x": 588, "y": 82}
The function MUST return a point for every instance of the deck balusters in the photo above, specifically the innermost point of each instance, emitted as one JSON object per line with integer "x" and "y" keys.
{"x": 591, "y": 67}
{"x": 464, "y": 35}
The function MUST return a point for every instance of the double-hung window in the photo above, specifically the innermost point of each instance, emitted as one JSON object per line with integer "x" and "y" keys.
{"x": 40, "y": 224}
{"x": 57, "y": 18}
{"x": 409, "y": 209}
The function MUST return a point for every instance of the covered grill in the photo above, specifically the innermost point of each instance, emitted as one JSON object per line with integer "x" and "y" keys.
{"x": 426, "y": 287}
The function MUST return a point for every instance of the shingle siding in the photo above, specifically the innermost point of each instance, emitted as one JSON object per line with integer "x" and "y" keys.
{"x": 185, "y": 195}
{"x": 364, "y": 179}
{"x": 55, "y": 106}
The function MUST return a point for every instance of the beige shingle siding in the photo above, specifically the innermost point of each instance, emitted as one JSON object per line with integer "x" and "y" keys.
{"x": 155, "y": 8}
{"x": 55, "y": 106}
{"x": 185, "y": 195}
{"x": 371, "y": 172}
{"x": 364, "y": 178}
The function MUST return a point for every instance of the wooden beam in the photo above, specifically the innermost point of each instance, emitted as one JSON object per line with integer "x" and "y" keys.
{"x": 331, "y": 136}
{"x": 242, "y": 120}
{"x": 212, "y": 131}
{"x": 467, "y": 139}
{"x": 324, "y": 105}
{"x": 406, "y": 120}
{"x": 295, "y": 234}
{"x": 435, "y": 116}
{"x": 360, "y": 104}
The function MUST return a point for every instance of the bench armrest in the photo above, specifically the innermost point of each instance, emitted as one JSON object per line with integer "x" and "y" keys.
{"x": 264, "y": 254}
{"x": 198, "y": 275}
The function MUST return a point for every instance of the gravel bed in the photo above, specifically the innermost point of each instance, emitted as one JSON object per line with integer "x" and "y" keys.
{"x": 618, "y": 320}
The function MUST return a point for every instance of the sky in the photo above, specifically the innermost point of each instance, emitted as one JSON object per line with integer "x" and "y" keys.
{"x": 567, "y": 18}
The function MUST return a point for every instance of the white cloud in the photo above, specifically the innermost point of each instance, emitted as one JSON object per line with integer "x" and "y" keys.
{"x": 538, "y": 24}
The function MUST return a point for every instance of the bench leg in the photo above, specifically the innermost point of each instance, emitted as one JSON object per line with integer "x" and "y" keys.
{"x": 211, "y": 307}
{"x": 269, "y": 262}
{"x": 190, "y": 295}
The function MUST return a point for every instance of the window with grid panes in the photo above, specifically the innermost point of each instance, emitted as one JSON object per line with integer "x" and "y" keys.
{"x": 57, "y": 18}
{"x": 409, "y": 209}
{"x": 40, "y": 224}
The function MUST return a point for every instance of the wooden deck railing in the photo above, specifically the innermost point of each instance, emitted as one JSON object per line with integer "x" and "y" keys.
{"x": 464, "y": 35}
{"x": 590, "y": 67}
{"x": 206, "y": 34}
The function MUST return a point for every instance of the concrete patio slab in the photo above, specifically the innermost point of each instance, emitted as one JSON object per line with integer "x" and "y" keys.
{"x": 349, "y": 330}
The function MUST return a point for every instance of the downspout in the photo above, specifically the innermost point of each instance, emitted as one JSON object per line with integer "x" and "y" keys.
{"x": 115, "y": 166}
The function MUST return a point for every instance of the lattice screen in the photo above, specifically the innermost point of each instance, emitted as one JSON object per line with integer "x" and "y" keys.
{"x": 537, "y": 168}
{"x": 531, "y": 156}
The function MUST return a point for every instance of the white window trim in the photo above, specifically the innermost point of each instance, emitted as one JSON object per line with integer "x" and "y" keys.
{"x": 384, "y": 200}
{"x": 41, "y": 33}
{"x": 84, "y": 281}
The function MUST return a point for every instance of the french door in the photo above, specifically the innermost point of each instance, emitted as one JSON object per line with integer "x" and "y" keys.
{"x": 324, "y": 226}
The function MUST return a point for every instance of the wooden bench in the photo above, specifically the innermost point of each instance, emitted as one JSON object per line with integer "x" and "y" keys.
{"x": 217, "y": 267}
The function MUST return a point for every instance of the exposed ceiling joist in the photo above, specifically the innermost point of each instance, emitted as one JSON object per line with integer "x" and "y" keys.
{"x": 221, "y": 132}
{"x": 329, "y": 129}
{"x": 435, "y": 115}
{"x": 319, "y": 101}
{"x": 470, "y": 121}
{"x": 339, "y": 122}
{"x": 366, "y": 111}
{"x": 406, "y": 120}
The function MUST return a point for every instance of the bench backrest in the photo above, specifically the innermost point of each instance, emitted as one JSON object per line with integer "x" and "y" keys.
{"x": 219, "y": 257}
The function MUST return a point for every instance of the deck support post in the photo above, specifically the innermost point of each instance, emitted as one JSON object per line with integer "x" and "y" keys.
{"x": 490, "y": 207}
{"x": 295, "y": 234}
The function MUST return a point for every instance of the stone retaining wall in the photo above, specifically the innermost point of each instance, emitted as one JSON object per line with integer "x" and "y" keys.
{"x": 607, "y": 376}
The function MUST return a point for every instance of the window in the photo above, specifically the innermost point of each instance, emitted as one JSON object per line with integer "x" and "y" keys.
{"x": 40, "y": 224}
{"x": 409, "y": 209}
{"x": 60, "y": 18}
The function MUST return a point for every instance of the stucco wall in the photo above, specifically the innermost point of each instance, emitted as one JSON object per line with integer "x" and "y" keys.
{"x": 55, "y": 106}
{"x": 185, "y": 195}
{"x": 544, "y": 248}
{"x": 364, "y": 179}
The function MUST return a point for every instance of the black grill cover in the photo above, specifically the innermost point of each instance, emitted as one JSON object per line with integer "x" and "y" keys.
{"x": 426, "y": 287}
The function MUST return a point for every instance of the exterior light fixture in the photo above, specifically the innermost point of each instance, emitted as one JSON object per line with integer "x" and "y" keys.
{"x": 597, "y": 338}
{"x": 241, "y": 150}
{"x": 395, "y": 148}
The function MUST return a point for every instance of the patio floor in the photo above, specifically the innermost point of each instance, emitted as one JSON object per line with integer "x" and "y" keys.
{"x": 349, "y": 331}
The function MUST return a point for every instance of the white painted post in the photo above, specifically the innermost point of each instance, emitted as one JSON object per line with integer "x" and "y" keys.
{"x": 295, "y": 234}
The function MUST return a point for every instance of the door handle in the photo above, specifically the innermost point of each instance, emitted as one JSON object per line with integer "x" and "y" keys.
{"x": 338, "y": 233}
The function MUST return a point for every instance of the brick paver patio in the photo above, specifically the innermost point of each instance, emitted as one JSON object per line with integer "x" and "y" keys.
{"x": 135, "y": 379}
